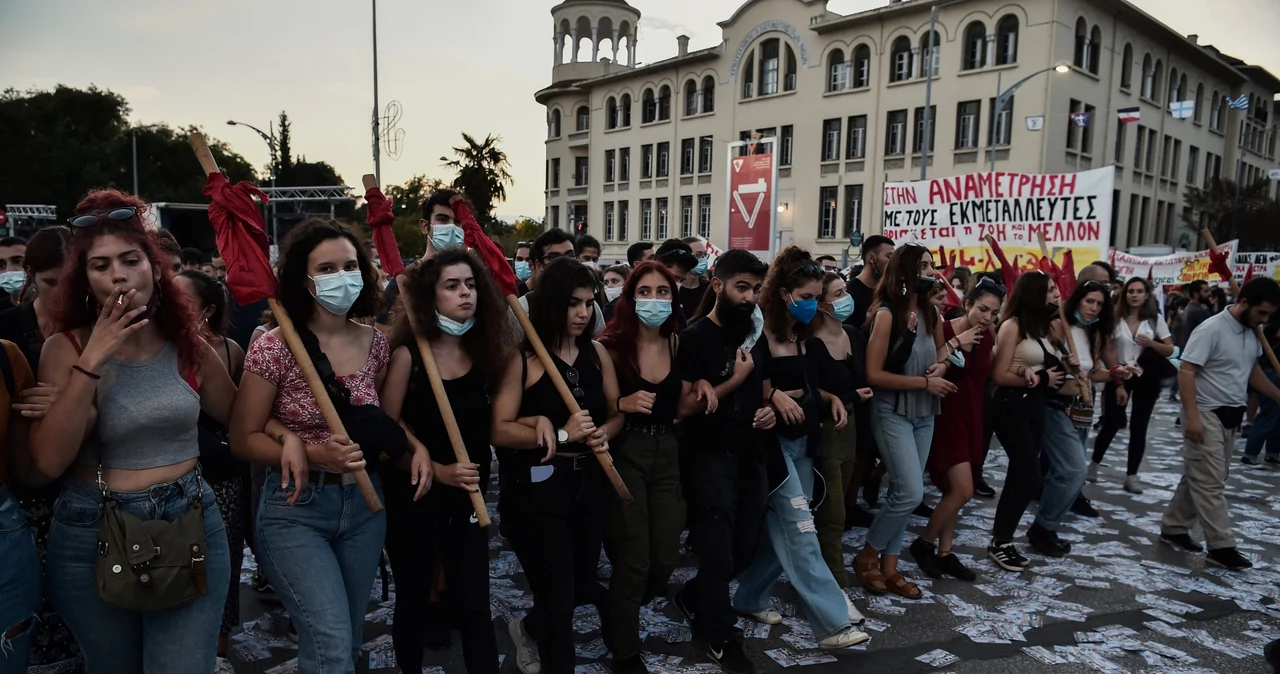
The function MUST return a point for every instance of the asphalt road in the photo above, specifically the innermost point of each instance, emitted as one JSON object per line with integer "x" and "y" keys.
{"x": 1120, "y": 602}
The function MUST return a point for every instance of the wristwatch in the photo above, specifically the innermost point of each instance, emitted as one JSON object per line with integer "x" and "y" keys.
{"x": 562, "y": 436}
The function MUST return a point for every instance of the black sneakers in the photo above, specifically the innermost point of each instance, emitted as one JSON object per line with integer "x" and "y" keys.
{"x": 981, "y": 488}
{"x": 731, "y": 657}
{"x": 1229, "y": 559}
{"x": 1007, "y": 557}
{"x": 1084, "y": 508}
{"x": 926, "y": 557}
{"x": 923, "y": 510}
{"x": 677, "y": 600}
{"x": 950, "y": 565}
{"x": 1047, "y": 542}
{"x": 632, "y": 665}
{"x": 1181, "y": 541}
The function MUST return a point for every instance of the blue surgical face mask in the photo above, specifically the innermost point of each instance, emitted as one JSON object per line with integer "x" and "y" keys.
{"x": 1081, "y": 321}
{"x": 444, "y": 237}
{"x": 522, "y": 270}
{"x": 842, "y": 308}
{"x": 653, "y": 313}
{"x": 956, "y": 358}
{"x": 11, "y": 281}
{"x": 701, "y": 268}
{"x": 337, "y": 292}
{"x": 803, "y": 310}
{"x": 453, "y": 327}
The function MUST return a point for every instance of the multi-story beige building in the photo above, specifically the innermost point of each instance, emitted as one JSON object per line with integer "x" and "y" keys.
{"x": 638, "y": 152}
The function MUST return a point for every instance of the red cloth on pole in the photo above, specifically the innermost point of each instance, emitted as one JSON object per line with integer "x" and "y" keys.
{"x": 242, "y": 238}
{"x": 380, "y": 218}
{"x": 1218, "y": 265}
{"x": 1009, "y": 271}
{"x": 953, "y": 298}
{"x": 492, "y": 254}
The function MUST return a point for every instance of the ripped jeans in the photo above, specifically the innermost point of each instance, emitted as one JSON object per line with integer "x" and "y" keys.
{"x": 20, "y": 584}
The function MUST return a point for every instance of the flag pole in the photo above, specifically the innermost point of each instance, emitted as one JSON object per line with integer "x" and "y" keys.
{"x": 294, "y": 342}
{"x": 1235, "y": 291}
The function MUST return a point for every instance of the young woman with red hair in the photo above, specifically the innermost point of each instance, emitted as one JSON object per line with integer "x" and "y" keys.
{"x": 643, "y": 539}
{"x": 133, "y": 377}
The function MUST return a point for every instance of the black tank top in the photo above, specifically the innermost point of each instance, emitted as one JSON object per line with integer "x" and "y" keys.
{"x": 543, "y": 400}
{"x": 667, "y": 391}
{"x": 790, "y": 373}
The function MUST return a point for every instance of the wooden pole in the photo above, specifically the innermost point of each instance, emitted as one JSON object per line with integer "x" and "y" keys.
{"x": 1084, "y": 383}
{"x": 294, "y": 342}
{"x": 1235, "y": 290}
{"x": 606, "y": 461}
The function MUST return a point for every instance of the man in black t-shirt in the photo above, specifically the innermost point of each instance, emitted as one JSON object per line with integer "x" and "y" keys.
{"x": 722, "y": 461}
{"x": 876, "y": 251}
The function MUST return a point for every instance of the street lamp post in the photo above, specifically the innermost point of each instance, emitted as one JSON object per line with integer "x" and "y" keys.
{"x": 928, "y": 88}
{"x": 271, "y": 145}
{"x": 1003, "y": 96}
{"x": 133, "y": 132}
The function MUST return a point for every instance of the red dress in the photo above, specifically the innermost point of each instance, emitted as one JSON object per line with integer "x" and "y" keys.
{"x": 957, "y": 433}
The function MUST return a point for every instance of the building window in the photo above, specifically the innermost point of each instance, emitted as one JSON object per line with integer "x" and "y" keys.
{"x": 827, "y": 213}
{"x": 584, "y": 118}
{"x": 611, "y": 115}
{"x": 1126, "y": 68}
{"x": 749, "y": 77}
{"x": 1080, "y": 138}
{"x": 664, "y": 103}
{"x": 839, "y": 72}
{"x": 1193, "y": 158}
{"x": 861, "y": 66}
{"x": 1215, "y": 113}
{"x": 1175, "y": 164}
{"x": 686, "y": 156}
{"x": 831, "y": 140}
{"x": 929, "y": 56}
{"x": 1148, "y": 78}
{"x": 1007, "y": 40}
{"x": 581, "y": 171}
{"x": 968, "y": 118}
{"x": 1138, "y": 148}
{"x": 975, "y": 46}
{"x": 553, "y": 125}
{"x": 706, "y": 146}
{"x": 704, "y": 216}
{"x": 648, "y": 107}
{"x": 609, "y": 224}
{"x": 1135, "y": 234}
{"x": 857, "y": 148}
{"x": 1081, "y": 58}
{"x": 624, "y": 218}
{"x": 626, "y": 110}
{"x": 919, "y": 145}
{"x": 555, "y": 173}
{"x": 691, "y": 96}
{"x": 662, "y": 220}
{"x": 646, "y": 220}
{"x": 1166, "y": 155}
{"x": 686, "y": 217}
{"x": 555, "y": 217}
{"x": 895, "y": 139}
{"x": 646, "y": 162}
{"x": 901, "y": 59}
{"x": 852, "y": 209}
{"x": 789, "y": 82}
{"x": 770, "y": 52}
{"x": 1122, "y": 131}
{"x": 1157, "y": 77}
{"x": 664, "y": 160}
{"x": 1151, "y": 150}
{"x": 1142, "y": 219}
{"x": 786, "y": 145}
{"x": 610, "y": 165}
{"x": 708, "y": 94}
{"x": 1199, "y": 103}
{"x": 1001, "y": 124}
{"x": 624, "y": 165}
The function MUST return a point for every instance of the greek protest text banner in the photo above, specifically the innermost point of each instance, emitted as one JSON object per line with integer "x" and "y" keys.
{"x": 1171, "y": 270}
{"x": 1073, "y": 210}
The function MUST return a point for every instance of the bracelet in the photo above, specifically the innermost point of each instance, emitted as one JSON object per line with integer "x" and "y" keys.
{"x": 926, "y": 383}
{"x": 91, "y": 375}
{"x": 771, "y": 395}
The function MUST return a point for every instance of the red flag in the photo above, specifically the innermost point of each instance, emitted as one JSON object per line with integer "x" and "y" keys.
{"x": 1248, "y": 274}
{"x": 1009, "y": 271}
{"x": 242, "y": 238}
{"x": 953, "y": 298}
{"x": 379, "y": 216}
{"x": 475, "y": 238}
{"x": 1068, "y": 283}
{"x": 1218, "y": 264}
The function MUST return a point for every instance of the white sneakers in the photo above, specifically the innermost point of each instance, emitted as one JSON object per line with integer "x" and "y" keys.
{"x": 527, "y": 658}
{"x": 855, "y": 616}
{"x": 769, "y": 616}
{"x": 224, "y": 667}
{"x": 843, "y": 639}
{"x": 1131, "y": 485}
{"x": 1092, "y": 475}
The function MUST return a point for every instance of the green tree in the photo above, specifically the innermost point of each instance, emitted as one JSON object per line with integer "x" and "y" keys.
{"x": 285, "y": 146}
{"x": 528, "y": 229}
{"x": 483, "y": 175}
{"x": 1230, "y": 218}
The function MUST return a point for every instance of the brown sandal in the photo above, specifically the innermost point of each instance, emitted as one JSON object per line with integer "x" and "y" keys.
{"x": 903, "y": 588}
{"x": 867, "y": 569}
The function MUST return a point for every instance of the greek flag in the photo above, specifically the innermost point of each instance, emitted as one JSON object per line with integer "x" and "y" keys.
{"x": 1240, "y": 102}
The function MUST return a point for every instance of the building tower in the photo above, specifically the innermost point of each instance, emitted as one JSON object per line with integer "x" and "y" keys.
{"x": 593, "y": 38}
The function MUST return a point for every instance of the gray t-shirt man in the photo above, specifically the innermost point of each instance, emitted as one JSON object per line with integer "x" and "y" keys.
{"x": 1225, "y": 350}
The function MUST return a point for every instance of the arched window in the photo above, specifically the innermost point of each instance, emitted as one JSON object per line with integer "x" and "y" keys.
{"x": 1095, "y": 50}
{"x": 708, "y": 94}
{"x": 691, "y": 98}
{"x": 611, "y": 113}
{"x": 770, "y": 66}
{"x": 1175, "y": 92}
{"x": 1081, "y": 58}
{"x": 861, "y": 66}
{"x": 584, "y": 118}
{"x": 1157, "y": 78}
{"x": 1215, "y": 114}
{"x": 553, "y": 124}
{"x": 790, "y": 81}
{"x": 664, "y": 103}
{"x": 975, "y": 46}
{"x": 749, "y": 77}
{"x": 1183, "y": 91}
{"x": 1148, "y": 78}
{"x": 648, "y": 107}
{"x": 1199, "y": 114}
{"x": 900, "y": 56}
{"x": 929, "y": 60}
{"x": 1007, "y": 40}
{"x": 626, "y": 110}
{"x": 1126, "y": 68}
{"x": 838, "y": 74}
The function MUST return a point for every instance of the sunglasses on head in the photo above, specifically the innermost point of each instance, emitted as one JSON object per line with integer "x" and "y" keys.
{"x": 1096, "y": 285}
{"x": 808, "y": 269}
{"x": 990, "y": 286}
{"x": 94, "y": 217}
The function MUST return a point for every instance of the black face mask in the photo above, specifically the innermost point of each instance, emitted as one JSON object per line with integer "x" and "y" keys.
{"x": 1051, "y": 312}
{"x": 925, "y": 284}
{"x": 735, "y": 318}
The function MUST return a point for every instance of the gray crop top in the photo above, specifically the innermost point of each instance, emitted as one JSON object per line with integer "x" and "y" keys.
{"x": 147, "y": 414}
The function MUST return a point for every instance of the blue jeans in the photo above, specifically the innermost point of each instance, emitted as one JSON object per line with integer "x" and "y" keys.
{"x": 904, "y": 448}
{"x": 793, "y": 548}
{"x": 1266, "y": 428}
{"x": 20, "y": 583}
{"x": 180, "y": 640}
{"x": 321, "y": 556}
{"x": 1066, "y": 453}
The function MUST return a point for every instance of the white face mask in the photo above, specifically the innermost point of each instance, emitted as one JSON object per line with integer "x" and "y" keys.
{"x": 338, "y": 291}
{"x": 613, "y": 293}
{"x": 11, "y": 281}
{"x": 592, "y": 264}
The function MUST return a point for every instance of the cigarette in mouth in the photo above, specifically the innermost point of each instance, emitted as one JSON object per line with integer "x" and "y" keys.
{"x": 120, "y": 300}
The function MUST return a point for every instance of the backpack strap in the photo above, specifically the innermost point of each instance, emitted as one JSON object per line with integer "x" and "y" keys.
{"x": 333, "y": 386}
{"x": 6, "y": 368}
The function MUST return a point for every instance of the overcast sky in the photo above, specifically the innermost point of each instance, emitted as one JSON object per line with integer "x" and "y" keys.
{"x": 455, "y": 66}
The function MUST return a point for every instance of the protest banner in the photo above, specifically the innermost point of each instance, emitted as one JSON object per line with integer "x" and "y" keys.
{"x": 1071, "y": 210}
{"x": 1251, "y": 265}
{"x": 1170, "y": 270}
{"x": 751, "y": 201}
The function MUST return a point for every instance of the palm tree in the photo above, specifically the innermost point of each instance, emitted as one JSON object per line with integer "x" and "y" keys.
{"x": 483, "y": 175}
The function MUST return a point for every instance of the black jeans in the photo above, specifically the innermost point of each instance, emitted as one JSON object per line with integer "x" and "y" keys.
{"x": 1019, "y": 424}
{"x": 421, "y": 538}
{"x": 726, "y": 493}
{"x": 1143, "y": 394}
{"x": 556, "y": 528}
